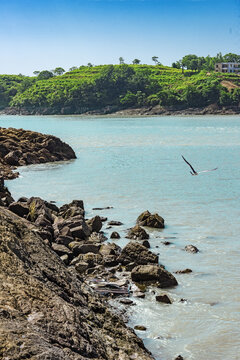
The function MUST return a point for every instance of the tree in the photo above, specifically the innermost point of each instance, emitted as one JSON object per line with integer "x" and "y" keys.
{"x": 155, "y": 59}
{"x": 36, "y": 72}
{"x": 136, "y": 61}
{"x": 45, "y": 74}
{"x": 73, "y": 68}
{"x": 121, "y": 60}
{"x": 90, "y": 65}
{"x": 230, "y": 57}
{"x": 58, "y": 71}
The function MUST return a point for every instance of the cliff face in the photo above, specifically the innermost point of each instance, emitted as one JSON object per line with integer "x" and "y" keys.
{"x": 47, "y": 312}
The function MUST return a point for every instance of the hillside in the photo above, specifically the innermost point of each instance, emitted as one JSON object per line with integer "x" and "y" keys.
{"x": 110, "y": 88}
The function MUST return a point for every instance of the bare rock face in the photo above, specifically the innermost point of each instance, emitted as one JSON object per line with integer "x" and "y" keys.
{"x": 22, "y": 147}
{"x": 151, "y": 220}
{"x": 47, "y": 312}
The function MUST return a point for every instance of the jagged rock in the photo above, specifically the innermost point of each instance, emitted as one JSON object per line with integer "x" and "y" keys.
{"x": 95, "y": 224}
{"x": 19, "y": 208}
{"x": 90, "y": 258}
{"x": 114, "y": 235}
{"x": 191, "y": 249}
{"x": 136, "y": 253}
{"x": 110, "y": 260}
{"x": 164, "y": 299}
{"x": 12, "y": 158}
{"x": 137, "y": 233}
{"x": 153, "y": 273}
{"x": 150, "y": 220}
{"x": 23, "y": 199}
{"x": 75, "y": 208}
{"x": 86, "y": 248}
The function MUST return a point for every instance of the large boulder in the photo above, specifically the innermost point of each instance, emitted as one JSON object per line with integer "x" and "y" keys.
{"x": 138, "y": 254}
{"x": 153, "y": 273}
{"x": 76, "y": 207}
{"x": 150, "y": 220}
{"x": 137, "y": 233}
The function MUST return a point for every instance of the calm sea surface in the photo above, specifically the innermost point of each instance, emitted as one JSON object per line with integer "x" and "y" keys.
{"x": 135, "y": 164}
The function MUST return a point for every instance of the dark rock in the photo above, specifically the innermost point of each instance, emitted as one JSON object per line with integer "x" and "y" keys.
{"x": 90, "y": 258}
{"x": 166, "y": 243}
{"x": 191, "y": 249}
{"x": 137, "y": 233}
{"x": 114, "y": 235}
{"x": 140, "y": 327}
{"x": 80, "y": 232}
{"x": 76, "y": 207}
{"x": 126, "y": 301}
{"x": 115, "y": 223}
{"x": 95, "y": 224}
{"x": 103, "y": 218}
{"x": 153, "y": 273}
{"x": 23, "y": 199}
{"x": 138, "y": 254}
{"x": 86, "y": 248}
{"x": 103, "y": 208}
{"x": 164, "y": 299}
{"x": 19, "y": 208}
{"x": 139, "y": 294}
{"x": 185, "y": 271}
{"x": 179, "y": 357}
{"x": 65, "y": 231}
{"x": 146, "y": 244}
{"x": 150, "y": 220}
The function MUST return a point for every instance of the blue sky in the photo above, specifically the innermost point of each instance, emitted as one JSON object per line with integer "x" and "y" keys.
{"x": 37, "y": 35}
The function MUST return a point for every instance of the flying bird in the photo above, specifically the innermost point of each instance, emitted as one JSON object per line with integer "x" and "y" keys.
{"x": 193, "y": 172}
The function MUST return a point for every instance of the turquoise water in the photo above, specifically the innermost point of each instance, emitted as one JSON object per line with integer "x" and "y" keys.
{"x": 135, "y": 164}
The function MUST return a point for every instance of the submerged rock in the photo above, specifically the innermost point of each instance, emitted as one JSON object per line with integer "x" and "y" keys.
{"x": 164, "y": 299}
{"x": 191, "y": 249}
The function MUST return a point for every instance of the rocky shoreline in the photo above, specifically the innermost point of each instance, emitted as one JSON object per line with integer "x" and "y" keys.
{"x": 58, "y": 272}
{"x": 213, "y": 109}
{"x": 20, "y": 147}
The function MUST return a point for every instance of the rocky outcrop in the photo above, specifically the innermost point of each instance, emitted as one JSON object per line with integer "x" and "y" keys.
{"x": 150, "y": 220}
{"x": 137, "y": 254}
{"x": 47, "y": 311}
{"x": 22, "y": 147}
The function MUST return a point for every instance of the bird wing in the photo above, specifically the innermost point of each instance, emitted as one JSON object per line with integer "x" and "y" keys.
{"x": 189, "y": 165}
{"x": 207, "y": 170}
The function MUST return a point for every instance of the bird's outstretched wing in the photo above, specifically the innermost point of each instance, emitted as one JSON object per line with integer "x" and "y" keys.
{"x": 189, "y": 165}
{"x": 207, "y": 170}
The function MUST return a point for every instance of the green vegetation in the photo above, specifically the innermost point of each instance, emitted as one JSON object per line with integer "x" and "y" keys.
{"x": 118, "y": 86}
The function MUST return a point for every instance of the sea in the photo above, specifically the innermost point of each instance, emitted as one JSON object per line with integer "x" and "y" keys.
{"x": 135, "y": 164}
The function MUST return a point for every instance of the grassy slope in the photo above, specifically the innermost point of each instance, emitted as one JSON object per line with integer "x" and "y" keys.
{"x": 99, "y": 86}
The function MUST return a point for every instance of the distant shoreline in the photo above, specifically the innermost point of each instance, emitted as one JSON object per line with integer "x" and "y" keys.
{"x": 157, "y": 110}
